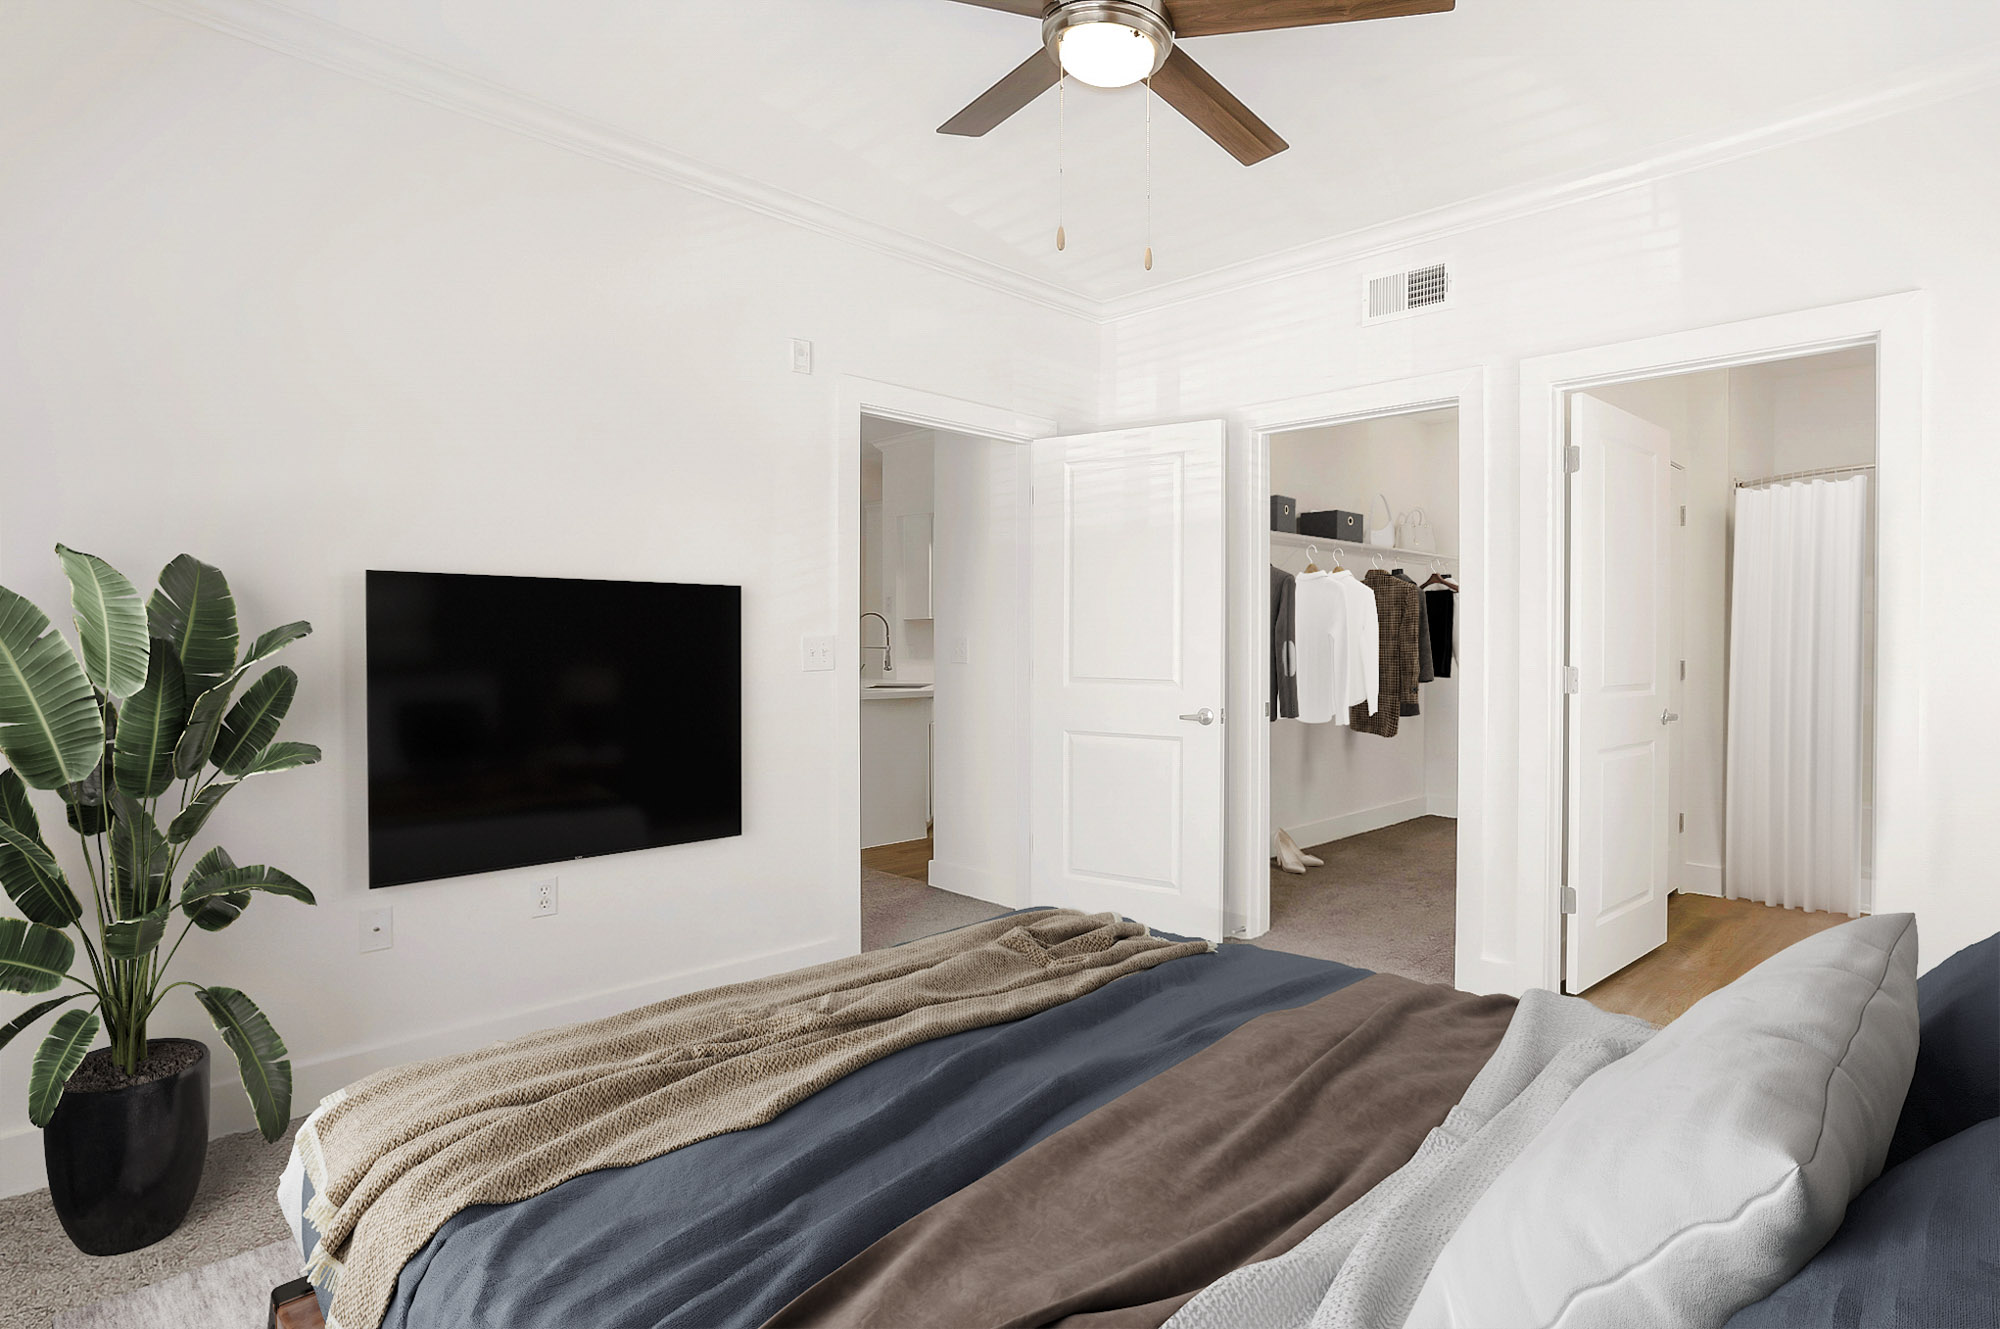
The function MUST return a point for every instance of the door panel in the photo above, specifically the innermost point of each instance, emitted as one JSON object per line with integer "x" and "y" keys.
{"x": 1129, "y": 638}
{"x": 1621, "y": 716}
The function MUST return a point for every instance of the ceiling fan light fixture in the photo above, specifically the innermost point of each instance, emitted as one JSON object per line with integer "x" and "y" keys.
{"x": 1108, "y": 43}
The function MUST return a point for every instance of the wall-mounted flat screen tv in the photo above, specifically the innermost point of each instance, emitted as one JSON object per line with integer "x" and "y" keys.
{"x": 516, "y": 721}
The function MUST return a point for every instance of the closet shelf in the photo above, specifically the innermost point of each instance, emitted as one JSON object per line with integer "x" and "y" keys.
{"x": 1288, "y": 540}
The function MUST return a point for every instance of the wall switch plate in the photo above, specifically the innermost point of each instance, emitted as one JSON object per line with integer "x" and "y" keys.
{"x": 378, "y": 929}
{"x": 802, "y": 356}
{"x": 961, "y": 650}
{"x": 542, "y": 897}
{"x": 818, "y": 653}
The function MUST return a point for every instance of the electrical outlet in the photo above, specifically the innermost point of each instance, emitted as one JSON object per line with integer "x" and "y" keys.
{"x": 818, "y": 653}
{"x": 378, "y": 929}
{"x": 542, "y": 901}
{"x": 802, "y": 356}
{"x": 961, "y": 650}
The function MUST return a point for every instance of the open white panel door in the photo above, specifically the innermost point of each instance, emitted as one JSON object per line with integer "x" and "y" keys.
{"x": 1620, "y": 715}
{"x": 1129, "y": 643}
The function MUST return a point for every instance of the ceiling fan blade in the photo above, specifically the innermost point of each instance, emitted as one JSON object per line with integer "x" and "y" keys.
{"x": 1209, "y": 18}
{"x": 1193, "y": 91}
{"x": 1025, "y": 8}
{"x": 1030, "y": 79}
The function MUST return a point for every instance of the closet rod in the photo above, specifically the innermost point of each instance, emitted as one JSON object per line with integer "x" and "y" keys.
{"x": 1803, "y": 475}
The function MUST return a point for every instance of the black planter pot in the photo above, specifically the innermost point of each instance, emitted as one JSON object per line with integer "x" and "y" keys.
{"x": 124, "y": 1164}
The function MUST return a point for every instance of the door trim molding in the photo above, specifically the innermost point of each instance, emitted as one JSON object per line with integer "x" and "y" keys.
{"x": 1247, "y": 885}
{"x": 852, "y": 397}
{"x": 1896, "y": 325}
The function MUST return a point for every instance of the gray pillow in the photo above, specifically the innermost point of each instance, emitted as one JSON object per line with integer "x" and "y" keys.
{"x": 1694, "y": 1176}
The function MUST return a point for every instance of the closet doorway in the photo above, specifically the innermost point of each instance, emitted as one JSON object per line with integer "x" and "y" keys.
{"x": 1720, "y": 671}
{"x": 1363, "y": 704}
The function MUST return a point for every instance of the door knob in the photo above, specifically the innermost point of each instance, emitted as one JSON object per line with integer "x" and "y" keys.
{"x": 1668, "y": 717}
{"x": 1202, "y": 716}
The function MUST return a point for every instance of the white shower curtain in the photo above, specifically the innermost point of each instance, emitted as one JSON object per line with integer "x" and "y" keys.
{"x": 1793, "y": 829}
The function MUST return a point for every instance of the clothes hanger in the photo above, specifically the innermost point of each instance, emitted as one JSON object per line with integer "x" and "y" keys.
{"x": 1312, "y": 558}
{"x": 1437, "y": 578}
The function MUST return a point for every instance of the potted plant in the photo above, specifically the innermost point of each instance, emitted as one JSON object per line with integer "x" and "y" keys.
{"x": 140, "y": 740}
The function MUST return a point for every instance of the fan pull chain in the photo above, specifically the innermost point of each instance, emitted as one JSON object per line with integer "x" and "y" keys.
{"x": 1149, "y": 175}
{"x": 1062, "y": 133}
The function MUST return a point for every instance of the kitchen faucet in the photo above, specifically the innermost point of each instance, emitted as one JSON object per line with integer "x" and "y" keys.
{"x": 887, "y": 667}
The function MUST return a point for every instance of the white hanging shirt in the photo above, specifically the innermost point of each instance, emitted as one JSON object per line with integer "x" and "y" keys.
{"x": 1321, "y": 621}
{"x": 1364, "y": 644}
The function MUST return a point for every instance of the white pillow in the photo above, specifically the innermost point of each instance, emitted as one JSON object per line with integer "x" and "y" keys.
{"x": 1692, "y": 1177}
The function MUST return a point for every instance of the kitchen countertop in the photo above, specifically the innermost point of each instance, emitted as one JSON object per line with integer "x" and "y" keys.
{"x": 876, "y": 692}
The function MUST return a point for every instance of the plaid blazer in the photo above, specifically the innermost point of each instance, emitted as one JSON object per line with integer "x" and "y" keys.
{"x": 1399, "y": 610}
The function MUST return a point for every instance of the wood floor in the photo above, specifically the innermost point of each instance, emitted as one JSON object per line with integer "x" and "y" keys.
{"x": 1710, "y": 942}
{"x": 911, "y": 858}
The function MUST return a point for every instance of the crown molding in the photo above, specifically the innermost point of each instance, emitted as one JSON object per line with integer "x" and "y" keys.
{"x": 303, "y": 36}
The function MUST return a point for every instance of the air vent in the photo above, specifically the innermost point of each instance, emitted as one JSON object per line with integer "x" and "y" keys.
{"x": 1412, "y": 291}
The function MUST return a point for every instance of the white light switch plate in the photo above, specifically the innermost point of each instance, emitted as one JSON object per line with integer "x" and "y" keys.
{"x": 378, "y": 929}
{"x": 542, "y": 897}
{"x": 818, "y": 654}
{"x": 961, "y": 650}
{"x": 802, "y": 356}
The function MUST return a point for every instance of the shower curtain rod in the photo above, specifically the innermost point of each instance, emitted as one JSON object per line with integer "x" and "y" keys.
{"x": 1803, "y": 475}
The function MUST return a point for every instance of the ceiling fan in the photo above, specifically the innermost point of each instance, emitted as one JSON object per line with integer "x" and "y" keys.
{"x": 1116, "y": 43}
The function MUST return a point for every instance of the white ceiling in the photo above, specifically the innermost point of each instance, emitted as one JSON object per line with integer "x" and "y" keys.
{"x": 836, "y": 102}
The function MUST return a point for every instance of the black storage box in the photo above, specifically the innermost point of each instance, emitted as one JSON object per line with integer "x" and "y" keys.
{"x": 1284, "y": 513}
{"x": 1333, "y": 524}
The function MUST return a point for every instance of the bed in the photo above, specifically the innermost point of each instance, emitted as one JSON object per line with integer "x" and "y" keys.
{"x": 1248, "y": 1137}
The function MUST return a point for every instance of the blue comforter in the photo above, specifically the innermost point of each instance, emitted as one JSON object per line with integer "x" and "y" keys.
{"x": 727, "y": 1231}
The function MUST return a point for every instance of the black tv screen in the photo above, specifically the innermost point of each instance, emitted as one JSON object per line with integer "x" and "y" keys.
{"x": 515, "y": 721}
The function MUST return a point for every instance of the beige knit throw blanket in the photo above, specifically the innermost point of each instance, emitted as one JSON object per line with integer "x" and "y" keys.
{"x": 393, "y": 1156}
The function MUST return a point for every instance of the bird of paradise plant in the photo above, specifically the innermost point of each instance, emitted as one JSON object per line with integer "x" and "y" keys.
{"x": 140, "y": 731}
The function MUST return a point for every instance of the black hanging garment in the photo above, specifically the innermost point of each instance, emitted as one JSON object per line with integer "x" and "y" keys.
{"x": 1440, "y": 607}
{"x": 1284, "y": 652}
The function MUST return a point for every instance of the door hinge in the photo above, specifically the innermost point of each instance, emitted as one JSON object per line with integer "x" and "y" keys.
{"x": 1684, "y": 823}
{"x": 1569, "y": 899}
{"x": 1573, "y": 458}
{"x": 1684, "y": 671}
{"x": 1684, "y": 514}
{"x": 1571, "y": 683}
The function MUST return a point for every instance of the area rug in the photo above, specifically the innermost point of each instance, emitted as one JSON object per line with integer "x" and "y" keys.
{"x": 230, "y": 1294}
{"x": 895, "y": 909}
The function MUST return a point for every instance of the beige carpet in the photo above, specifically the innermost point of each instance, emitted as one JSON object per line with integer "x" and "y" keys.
{"x": 236, "y": 1210}
{"x": 230, "y": 1294}
{"x": 1385, "y": 901}
{"x": 896, "y": 909}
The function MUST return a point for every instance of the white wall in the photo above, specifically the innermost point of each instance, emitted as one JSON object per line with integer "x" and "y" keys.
{"x": 302, "y": 326}
{"x": 1327, "y": 781}
{"x": 981, "y": 568}
{"x": 1893, "y": 204}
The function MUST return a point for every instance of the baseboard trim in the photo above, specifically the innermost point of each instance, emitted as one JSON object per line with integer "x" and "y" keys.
{"x": 313, "y": 1078}
{"x": 1359, "y": 823}
{"x": 979, "y": 883}
{"x": 1701, "y": 879}
{"x": 1441, "y": 805}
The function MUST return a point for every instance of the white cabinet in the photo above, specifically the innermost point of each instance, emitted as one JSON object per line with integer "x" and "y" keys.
{"x": 913, "y": 565}
{"x": 895, "y": 767}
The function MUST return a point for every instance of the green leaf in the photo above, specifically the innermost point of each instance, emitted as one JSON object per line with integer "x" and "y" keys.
{"x": 110, "y": 621}
{"x": 137, "y": 937}
{"x": 256, "y": 877}
{"x": 15, "y": 809}
{"x": 203, "y": 724}
{"x": 139, "y": 857}
{"x": 194, "y": 611}
{"x": 33, "y": 881}
{"x": 260, "y": 1056}
{"x": 33, "y": 958}
{"x": 56, "y": 1060}
{"x": 270, "y": 643}
{"x": 213, "y": 913}
{"x": 150, "y": 726}
{"x": 187, "y": 823}
{"x": 50, "y": 729}
{"x": 253, "y": 721}
{"x": 34, "y": 1013}
{"x": 283, "y": 757}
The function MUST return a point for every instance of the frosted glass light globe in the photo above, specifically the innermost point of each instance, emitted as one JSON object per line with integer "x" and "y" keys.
{"x": 1106, "y": 55}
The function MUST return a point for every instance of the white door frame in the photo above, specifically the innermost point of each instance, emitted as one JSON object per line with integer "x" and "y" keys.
{"x": 1895, "y": 325}
{"x": 854, "y": 397}
{"x": 1247, "y": 887}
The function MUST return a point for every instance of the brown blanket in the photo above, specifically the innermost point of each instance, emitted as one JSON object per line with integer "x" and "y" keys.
{"x": 1233, "y": 1156}
{"x": 394, "y": 1156}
